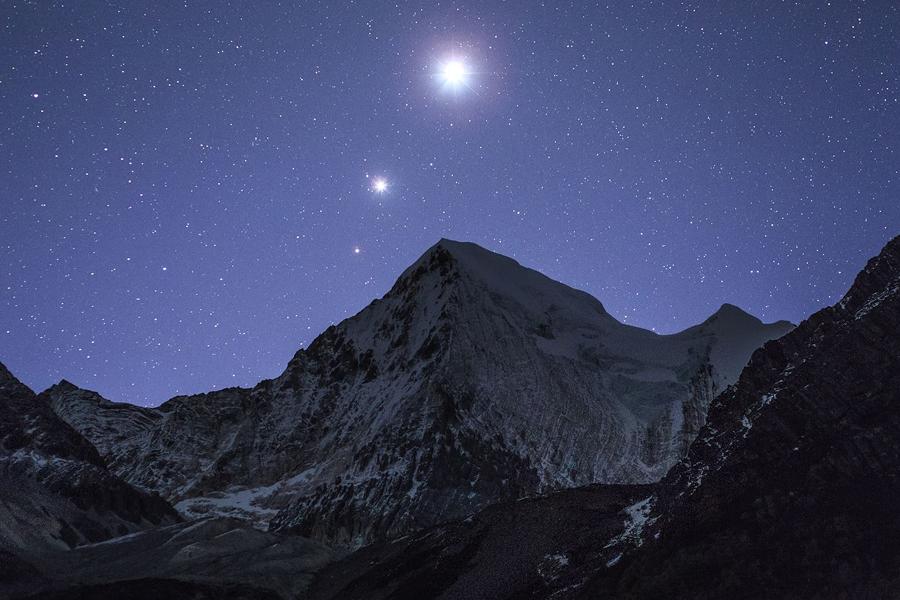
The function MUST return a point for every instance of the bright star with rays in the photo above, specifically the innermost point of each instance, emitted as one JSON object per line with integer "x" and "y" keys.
{"x": 454, "y": 75}
{"x": 379, "y": 185}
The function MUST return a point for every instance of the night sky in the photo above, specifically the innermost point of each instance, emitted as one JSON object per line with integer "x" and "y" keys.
{"x": 189, "y": 192}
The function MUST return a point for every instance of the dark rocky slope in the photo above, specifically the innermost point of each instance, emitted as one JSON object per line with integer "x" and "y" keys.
{"x": 199, "y": 559}
{"x": 506, "y": 551}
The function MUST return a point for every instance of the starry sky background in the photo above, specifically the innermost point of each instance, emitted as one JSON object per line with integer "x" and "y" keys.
{"x": 186, "y": 186}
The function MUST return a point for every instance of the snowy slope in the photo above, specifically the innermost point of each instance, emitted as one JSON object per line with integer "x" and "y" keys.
{"x": 473, "y": 380}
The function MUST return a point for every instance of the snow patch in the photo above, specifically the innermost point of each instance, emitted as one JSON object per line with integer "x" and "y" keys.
{"x": 747, "y": 424}
{"x": 638, "y": 517}
{"x": 116, "y": 540}
{"x": 876, "y": 299}
{"x": 246, "y": 504}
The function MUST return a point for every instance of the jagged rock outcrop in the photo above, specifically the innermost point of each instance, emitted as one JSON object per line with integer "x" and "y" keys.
{"x": 474, "y": 380}
{"x": 55, "y": 490}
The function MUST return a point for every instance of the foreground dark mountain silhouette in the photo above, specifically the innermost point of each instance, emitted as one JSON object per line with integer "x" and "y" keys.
{"x": 789, "y": 492}
{"x": 474, "y": 380}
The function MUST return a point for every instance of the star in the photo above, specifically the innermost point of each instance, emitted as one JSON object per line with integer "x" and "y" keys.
{"x": 379, "y": 185}
{"x": 356, "y": 249}
{"x": 454, "y": 73}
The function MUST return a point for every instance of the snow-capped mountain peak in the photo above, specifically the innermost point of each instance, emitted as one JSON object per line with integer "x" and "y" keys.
{"x": 473, "y": 380}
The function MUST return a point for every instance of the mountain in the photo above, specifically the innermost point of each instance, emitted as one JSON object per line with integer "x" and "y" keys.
{"x": 473, "y": 380}
{"x": 55, "y": 489}
{"x": 789, "y": 491}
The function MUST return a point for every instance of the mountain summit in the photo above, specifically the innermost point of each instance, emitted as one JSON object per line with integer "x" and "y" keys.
{"x": 472, "y": 380}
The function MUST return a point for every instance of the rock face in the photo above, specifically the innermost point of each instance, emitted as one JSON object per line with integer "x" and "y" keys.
{"x": 474, "y": 380}
{"x": 55, "y": 489}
